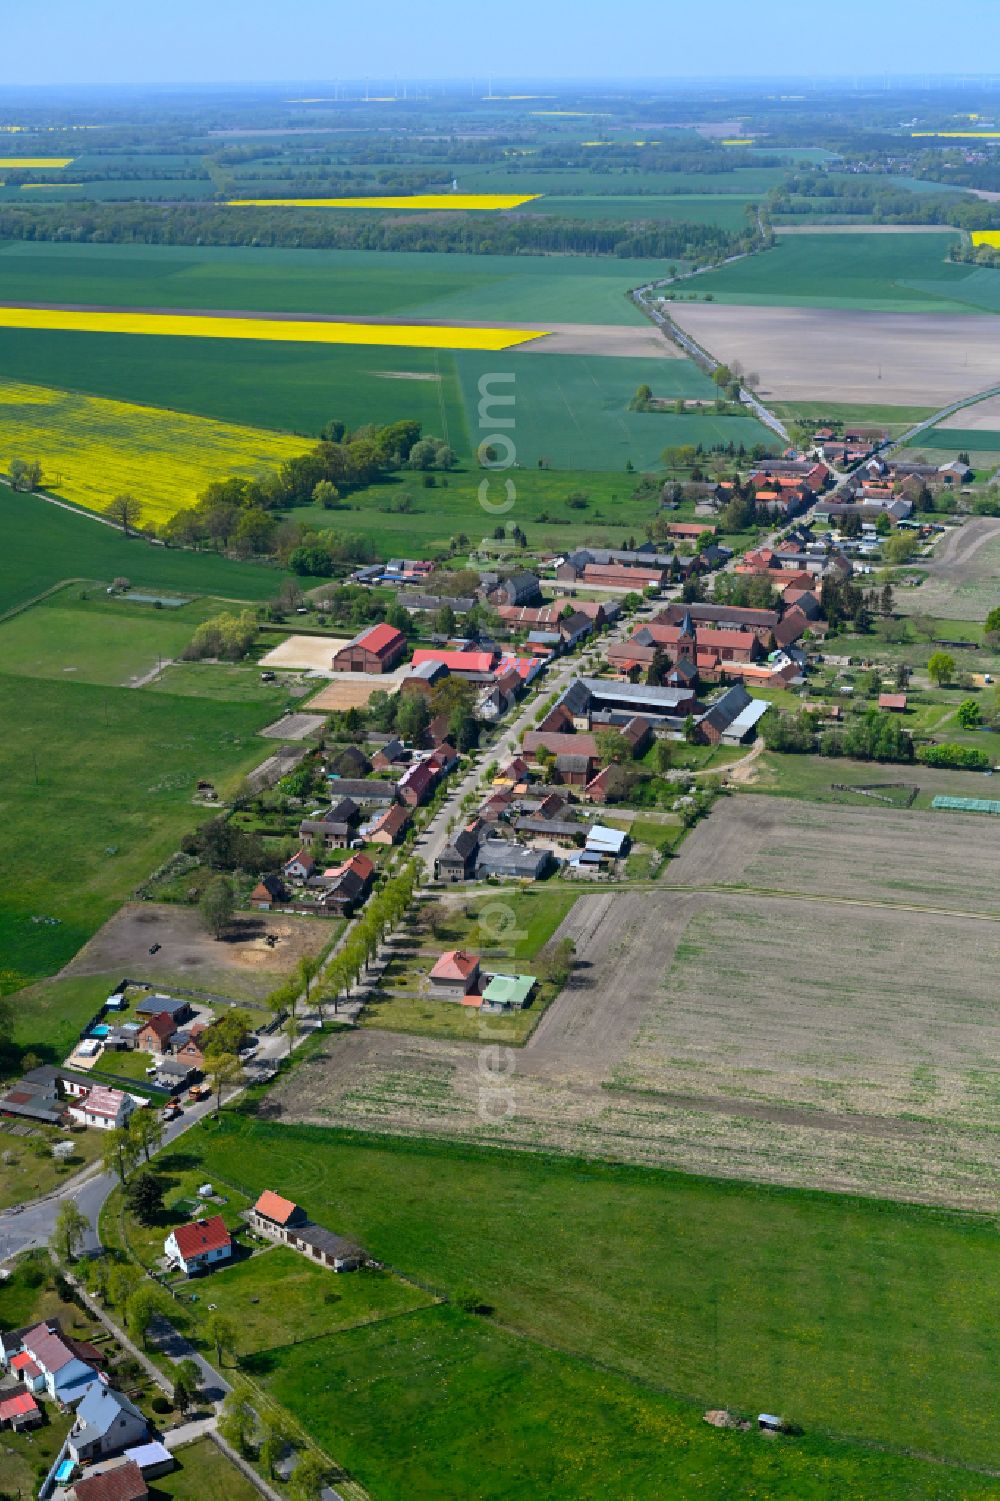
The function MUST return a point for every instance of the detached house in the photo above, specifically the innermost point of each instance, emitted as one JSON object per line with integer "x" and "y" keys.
{"x": 106, "y": 1423}
{"x": 300, "y": 867}
{"x": 155, "y": 1035}
{"x": 456, "y": 972}
{"x": 199, "y": 1245}
{"x": 288, "y": 1224}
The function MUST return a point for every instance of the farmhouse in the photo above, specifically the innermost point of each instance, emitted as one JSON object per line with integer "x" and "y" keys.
{"x": 346, "y": 886}
{"x": 417, "y": 783}
{"x": 376, "y": 649}
{"x": 518, "y": 589}
{"x": 282, "y": 1221}
{"x": 457, "y": 860}
{"x": 198, "y": 1245}
{"x": 334, "y": 826}
{"x": 106, "y": 1109}
{"x": 300, "y": 867}
{"x": 269, "y": 892}
{"x": 389, "y": 826}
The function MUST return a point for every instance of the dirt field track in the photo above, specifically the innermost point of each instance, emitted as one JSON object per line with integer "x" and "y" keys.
{"x": 889, "y": 359}
{"x": 846, "y": 1042}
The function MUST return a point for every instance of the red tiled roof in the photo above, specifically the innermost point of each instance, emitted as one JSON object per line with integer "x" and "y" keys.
{"x": 273, "y": 1207}
{"x": 123, "y": 1483}
{"x": 201, "y": 1236}
{"x": 456, "y": 964}
{"x": 381, "y": 639}
{"x": 22, "y": 1362}
{"x": 892, "y": 700}
{"x": 17, "y": 1406}
{"x": 456, "y": 661}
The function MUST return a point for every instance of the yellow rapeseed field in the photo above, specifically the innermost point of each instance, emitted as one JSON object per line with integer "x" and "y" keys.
{"x": 36, "y": 161}
{"x": 275, "y": 330}
{"x": 986, "y": 237}
{"x": 453, "y": 201}
{"x": 91, "y": 449}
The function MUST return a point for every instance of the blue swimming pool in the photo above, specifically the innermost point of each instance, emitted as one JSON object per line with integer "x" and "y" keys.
{"x": 64, "y": 1471}
{"x": 101, "y": 1031}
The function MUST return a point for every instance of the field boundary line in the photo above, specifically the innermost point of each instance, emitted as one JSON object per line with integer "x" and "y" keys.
{"x": 37, "y": 599}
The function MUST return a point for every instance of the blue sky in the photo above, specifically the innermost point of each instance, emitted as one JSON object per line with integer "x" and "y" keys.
{"x": 139, "y": 41}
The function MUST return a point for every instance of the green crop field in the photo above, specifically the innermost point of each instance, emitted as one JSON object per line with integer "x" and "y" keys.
{"x": 747, "y": 182}
{"x": 564, "y": 289}
{"x": 859, "y": 1318}
{"x": 960, "y": 439}
{"x": 572, "y": 410}
{"x": 95, "y": 790}
{"x": 113, "y": 190}
{"x": 881, "y": 273}
{"x": 297, "y": 387}
{"x": 41, "y": 545}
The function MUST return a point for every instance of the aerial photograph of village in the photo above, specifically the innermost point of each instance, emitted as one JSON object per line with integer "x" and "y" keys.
{"x": 500, "y": 755}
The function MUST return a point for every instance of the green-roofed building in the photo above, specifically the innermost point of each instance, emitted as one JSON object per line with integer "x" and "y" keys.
{"x": 508, "y": 992}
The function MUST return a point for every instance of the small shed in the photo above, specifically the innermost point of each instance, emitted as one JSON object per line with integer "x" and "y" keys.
{"x": 895, "y": 702}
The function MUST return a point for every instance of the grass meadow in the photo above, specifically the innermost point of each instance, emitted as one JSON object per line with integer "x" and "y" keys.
{"x": 95, "y": 789}
{"x": 440, "y": 1404}
{"x": 855, "y": 1318}
{"x": 80, "y": 633}
{"x": 42, "y": 545}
